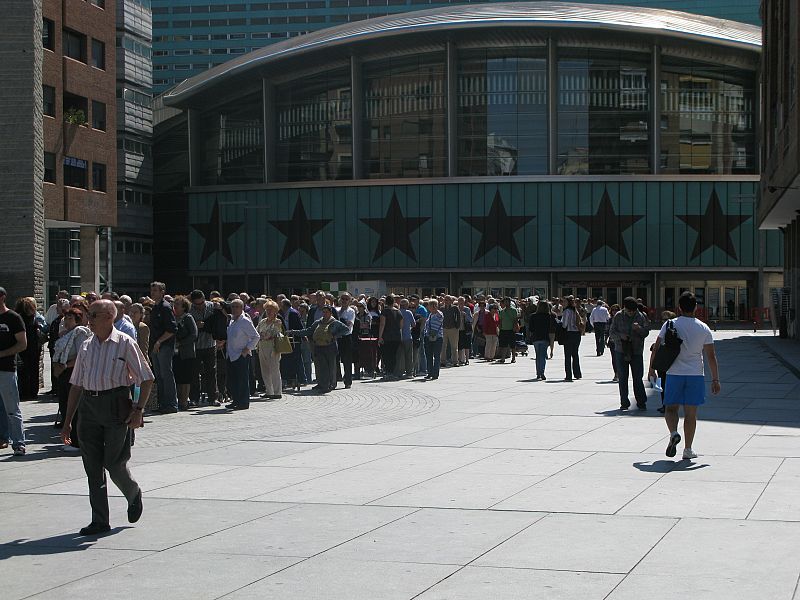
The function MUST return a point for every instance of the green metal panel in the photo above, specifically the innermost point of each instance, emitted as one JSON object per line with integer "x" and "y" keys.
{"x": 602, "y": 225}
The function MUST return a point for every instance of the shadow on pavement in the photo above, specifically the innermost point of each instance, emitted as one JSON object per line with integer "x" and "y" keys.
{"x": 668, "y": 466}
{"x": 56, "y": 544}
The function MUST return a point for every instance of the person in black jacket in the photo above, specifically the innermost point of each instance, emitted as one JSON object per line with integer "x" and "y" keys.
{"x": 204, "y": 315}
{"x": 540, "y": 325}
{"x": 162, "y": 347}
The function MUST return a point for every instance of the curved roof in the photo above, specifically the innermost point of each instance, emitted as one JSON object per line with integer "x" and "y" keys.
{"x": 556, "y": 14}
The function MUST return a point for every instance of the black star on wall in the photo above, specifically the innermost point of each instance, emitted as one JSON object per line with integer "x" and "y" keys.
{"x": 394, "y": 230}
{"x": 498, "y": 228}
{"x": 211, "y": 239}
{"x": 300, "y": 232}
{"x": 714, "y": 228}
{"x": 605, "y": 228}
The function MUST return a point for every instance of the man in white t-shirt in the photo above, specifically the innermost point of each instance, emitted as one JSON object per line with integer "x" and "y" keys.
{"x": 347, "y": 316}
{"x": 599, "y": 318}
{"x": 685, "y": 382}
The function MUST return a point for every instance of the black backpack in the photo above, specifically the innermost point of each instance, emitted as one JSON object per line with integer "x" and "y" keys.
{"x": 669, "y": 349}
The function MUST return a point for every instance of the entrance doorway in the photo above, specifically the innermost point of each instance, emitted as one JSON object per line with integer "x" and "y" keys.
{"x": 718, "y": 300}
{"x": 611, "y": 292}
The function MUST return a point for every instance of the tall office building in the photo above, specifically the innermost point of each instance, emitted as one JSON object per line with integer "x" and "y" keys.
{"x": 132, "y": 240}
{"x": 58, "y": 151}
{"x": 190, "y": 36}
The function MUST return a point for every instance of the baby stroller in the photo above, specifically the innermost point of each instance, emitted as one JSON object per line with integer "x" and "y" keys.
{"x": 520, "y": 347}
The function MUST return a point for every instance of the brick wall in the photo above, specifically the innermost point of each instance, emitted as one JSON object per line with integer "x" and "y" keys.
{"x": 22, "y": 240}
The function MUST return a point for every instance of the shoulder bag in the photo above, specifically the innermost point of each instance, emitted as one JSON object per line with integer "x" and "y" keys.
{"x": 668, "y": 350}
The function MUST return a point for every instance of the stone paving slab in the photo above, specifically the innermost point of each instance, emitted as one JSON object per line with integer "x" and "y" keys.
{"x": 481, "y": 485}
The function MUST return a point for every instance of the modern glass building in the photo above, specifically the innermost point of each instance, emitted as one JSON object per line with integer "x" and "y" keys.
{"x": 521, "y": 147}
{"x": 191, "y": 36}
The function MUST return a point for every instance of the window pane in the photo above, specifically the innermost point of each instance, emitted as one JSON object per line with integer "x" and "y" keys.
{"x": 49, "y": 100}
{"x": 232, "y": 137}
{"x": 49, "y": 167}
{"x": 707, "y": 118}
{"x": 502, "y": 112}
{"x": 603, "y": 112}
{"x": 75, "y": 172}
{"x": 98, "y": 54}
{"x": 314, "y": 128}
{"x": 406, "y": 97}
{"x": 74, "y": 44}
{"x": 98, "y": 177}
{"x": 98, "y": 115}
{"x": 48, "y": 34}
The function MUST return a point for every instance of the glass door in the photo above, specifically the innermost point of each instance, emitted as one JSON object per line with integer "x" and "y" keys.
{"x": 713, "y": 312}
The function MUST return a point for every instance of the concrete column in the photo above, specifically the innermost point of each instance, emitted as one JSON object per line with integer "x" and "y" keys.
{"x": 655, "y": 109}
{"x": 452, "y": 109}
{"x": 270, "y": 131}
{"x": 357, "y": 116}
{"x": 90, "y": 259}
{"x": 552, "y": 106}
{"x": 22, "y": 151}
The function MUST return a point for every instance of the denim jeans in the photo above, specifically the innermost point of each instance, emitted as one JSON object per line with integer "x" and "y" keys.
{"x": 541, "y": 347}
{"x": 636, "y": 363}
{"x": 423, "y": 361}
{"x": 11, "y": 428}
{"x": 433, "y": 352}
{"x": 165, "y": 378}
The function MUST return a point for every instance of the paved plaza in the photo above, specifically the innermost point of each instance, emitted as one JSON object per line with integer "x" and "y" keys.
{"x": 482, "y": 485}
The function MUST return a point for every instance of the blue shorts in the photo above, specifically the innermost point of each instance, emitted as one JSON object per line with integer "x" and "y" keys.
{"x": 685, "y": 389}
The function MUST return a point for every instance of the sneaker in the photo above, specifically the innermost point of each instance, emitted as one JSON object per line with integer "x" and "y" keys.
{"x": 674, "y": 440}
{"x": 689, "y": 454}
{"x": 19, "y": 451}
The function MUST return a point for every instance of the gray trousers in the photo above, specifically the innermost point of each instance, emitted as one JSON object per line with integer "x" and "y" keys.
{"x": 326, "y": 365}
{"x": 106, "y": 446}
{"x": 405, "y": 359}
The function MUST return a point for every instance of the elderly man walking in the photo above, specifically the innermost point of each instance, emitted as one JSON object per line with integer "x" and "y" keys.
{"x": 107, "y": 364}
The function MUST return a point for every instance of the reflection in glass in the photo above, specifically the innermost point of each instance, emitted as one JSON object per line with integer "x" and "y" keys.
{"x": 314, "y": 128}
{"x": 232, "y": 143}
{"x": 404, "y": 124}
{"x": 743, "y": 305}
{"x": 707, "y": 118}
{"x": 603, "y": 106}
{"x": 713, "y": 303}
{"x": 502, "y": 112}
{"x": 730, "y": 303}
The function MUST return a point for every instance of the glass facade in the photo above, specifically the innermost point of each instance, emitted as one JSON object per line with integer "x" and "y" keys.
{"x": 708, "y": 114}
{"x": 232, "y": 143}
{"x": 315, "y": 135}
{"x": 603, "y": 112}
{"x": 404, "y": 117}
{"x": 502, "y": 112}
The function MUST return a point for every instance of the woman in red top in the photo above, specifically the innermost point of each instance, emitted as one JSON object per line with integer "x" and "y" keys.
{"x": 491, "y": 322}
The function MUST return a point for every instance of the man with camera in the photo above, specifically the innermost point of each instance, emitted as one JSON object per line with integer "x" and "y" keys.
{"x": 629, "y": 328}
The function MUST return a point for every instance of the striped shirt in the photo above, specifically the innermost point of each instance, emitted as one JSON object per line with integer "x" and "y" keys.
{"x": 435, "y": 325}
{"x": 117, "y": 362}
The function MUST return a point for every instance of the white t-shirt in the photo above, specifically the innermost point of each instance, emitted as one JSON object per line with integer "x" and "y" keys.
{"x": 695, "y": 334}
{"x": 347, "y": 316}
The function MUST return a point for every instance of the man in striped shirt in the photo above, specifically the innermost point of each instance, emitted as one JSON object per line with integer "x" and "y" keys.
{"x": 108, "y": 363}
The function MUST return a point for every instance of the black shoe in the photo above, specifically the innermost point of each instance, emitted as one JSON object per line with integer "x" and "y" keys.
{"x": 674, "y": 440}
{"x": 641, "y": 406}
{"x": 95, "y": 529}
{"x": 625, "y": 406}
{"x": 237, "y": 407}
{"x": 347, "y": 386}
{"x": 274, "y": 397}
{"x": 166, "y": 410}
{"x": 568, "y": 379}
{"x": 135, "y": 508}
{"x": 661, "y": 409}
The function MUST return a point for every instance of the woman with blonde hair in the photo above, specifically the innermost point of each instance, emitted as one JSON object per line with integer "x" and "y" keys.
{"x": 270, "y": 327}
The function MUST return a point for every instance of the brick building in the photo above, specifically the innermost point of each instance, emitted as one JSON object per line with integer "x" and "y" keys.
{"x": 58, "y": 149}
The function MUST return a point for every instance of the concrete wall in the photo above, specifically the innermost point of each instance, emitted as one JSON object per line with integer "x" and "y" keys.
{"x": 21, "y": 150}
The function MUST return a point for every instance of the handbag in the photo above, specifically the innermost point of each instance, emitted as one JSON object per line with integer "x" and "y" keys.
{"x": 668, "y": 350}
{"x": 561, "y": 334}
{"x": 283, "y": 345}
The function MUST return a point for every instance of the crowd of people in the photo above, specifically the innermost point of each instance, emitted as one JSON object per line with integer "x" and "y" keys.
{"x": 215, "y": 350}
